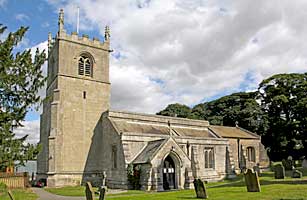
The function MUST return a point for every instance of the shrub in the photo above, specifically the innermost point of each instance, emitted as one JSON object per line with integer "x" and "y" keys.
{"x": 134, "y": 174}
{"x": 3, "y": 188}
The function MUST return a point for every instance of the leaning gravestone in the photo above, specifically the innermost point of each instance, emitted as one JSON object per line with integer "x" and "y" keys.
{"x": 89, "y": 192}
{"x": 296, "y": 174}
{"x": 279, "y": 171}
{"x": 304, "y": 163}
{"x": 252, "y": 181}
{"x": 200, "y": 189}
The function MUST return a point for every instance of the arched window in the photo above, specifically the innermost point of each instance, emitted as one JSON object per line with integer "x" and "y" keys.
{"x": 85, "y": 65}
{"x": 209, "y": 157}
{"x": 251, "y": 154}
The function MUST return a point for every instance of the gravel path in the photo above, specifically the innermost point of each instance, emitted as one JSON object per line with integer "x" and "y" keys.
{"x": 44, "y": 195}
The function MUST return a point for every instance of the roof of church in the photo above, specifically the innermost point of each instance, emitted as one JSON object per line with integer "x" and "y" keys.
{"x": 233, "y": 132}
{"x": 127, "y": 122}
{"x": 149, "y": 151}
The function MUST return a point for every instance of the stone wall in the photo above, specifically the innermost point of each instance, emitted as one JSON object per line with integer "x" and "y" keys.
{"x": 70, "y": 123}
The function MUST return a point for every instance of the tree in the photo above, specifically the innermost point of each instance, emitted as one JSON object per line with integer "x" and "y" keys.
{"x": 176, "y": 110}
{"x": 239, "y": 107}
{"x": 284, "y": 100}
{"x": 20, "y": 79}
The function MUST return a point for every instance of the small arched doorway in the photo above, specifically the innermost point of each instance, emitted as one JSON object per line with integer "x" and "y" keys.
{"x": 169, "y": 172}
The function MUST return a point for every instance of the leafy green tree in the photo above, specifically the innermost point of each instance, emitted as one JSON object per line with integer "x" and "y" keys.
{"x": 238, "y": 107}
{"x": 20, "y": 79}
{"x": 176, "y": 110}
{"x": 284, "y": 100}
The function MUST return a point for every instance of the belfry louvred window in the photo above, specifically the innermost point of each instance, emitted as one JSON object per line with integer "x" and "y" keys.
{"x": 85, "y": 66}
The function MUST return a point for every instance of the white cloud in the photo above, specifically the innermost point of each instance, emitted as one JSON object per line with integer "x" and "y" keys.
{"x": 189, "y": 50}
{"x": 22, "y": 17}
{"x": 30, "y": 128}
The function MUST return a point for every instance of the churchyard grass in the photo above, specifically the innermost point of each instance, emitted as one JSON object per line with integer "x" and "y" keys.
{"x": 20, "y": 194}
{"x": 271, "y": 189}
{"x": 68, "y": 191}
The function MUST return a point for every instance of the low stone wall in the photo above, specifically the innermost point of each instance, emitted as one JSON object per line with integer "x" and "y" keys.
{"x": 15, "y": 180}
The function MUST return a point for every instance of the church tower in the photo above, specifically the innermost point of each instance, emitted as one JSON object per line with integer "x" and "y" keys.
{"x": 77, "y": 93}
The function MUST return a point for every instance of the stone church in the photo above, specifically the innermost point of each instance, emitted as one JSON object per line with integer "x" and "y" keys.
{"x": 82, "y": 139}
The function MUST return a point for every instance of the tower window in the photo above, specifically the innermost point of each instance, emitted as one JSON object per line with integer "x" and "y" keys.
{"x": 84, "y": 94}
{"x": 85, "y": 65}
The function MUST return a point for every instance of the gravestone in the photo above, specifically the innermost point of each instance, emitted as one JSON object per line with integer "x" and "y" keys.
{"x": 89, "y": 192}
{"x": 304, "y": 164}
{"x": 279, "y": 171}
{"x": 296, "y": 174}
{"x": 200, "y": 189}
{"x": 102, "y": 193}
{"x": 104, "y": 177}
{"x": 257, "y": 169}
{"x": 10, "y": 195}
{"x": 252, "y": 181}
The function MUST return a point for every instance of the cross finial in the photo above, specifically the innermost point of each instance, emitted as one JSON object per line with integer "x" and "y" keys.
{"x": 107, "y": 33}
{"x": 61, "y": 20}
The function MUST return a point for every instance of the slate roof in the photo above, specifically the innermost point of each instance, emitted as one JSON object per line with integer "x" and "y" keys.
{"x": 149, "y": 151}
{"x": 233, "y": 132}
{"x": 124, "y": 126}
{"x": 133, "y": 127}
{"x": 129, "y": 122}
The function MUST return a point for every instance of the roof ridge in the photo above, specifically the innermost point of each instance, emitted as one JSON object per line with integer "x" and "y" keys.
{"x": 158, "y": 116}
{"x": 247, "y": 131}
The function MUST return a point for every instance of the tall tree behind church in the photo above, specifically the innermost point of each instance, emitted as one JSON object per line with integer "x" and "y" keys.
{"x": 284, "y": 99}
{"x": 238, "y": 107}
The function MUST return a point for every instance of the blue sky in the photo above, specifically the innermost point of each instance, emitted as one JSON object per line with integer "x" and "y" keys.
{"x": 186, "y": 51}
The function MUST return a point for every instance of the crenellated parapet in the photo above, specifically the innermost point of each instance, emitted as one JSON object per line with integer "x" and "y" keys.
{"x": 85, "y": 40}
{"x": 76, "y": 38}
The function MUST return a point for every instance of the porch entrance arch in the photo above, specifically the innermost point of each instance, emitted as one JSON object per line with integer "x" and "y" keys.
{"x": 169, "y": 173}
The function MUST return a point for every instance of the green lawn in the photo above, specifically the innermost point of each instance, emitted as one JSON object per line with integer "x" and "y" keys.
{"x": 272, "y": 189}
{"x": 20, "y": 194}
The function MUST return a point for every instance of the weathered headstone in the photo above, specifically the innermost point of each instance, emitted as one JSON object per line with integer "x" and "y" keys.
{"x": 10, "y": 195}
{"x": 89, "y": 192}
{"x": 200, "y": 189}
{"x": 104, "y": 177}
{"x": 304, "y": 163}
{"x": 103, "y": 191}
{"x": 296, "y": 174}
{"x": 252, "y": 181}
{"x": 279, "y": 171}
{"x": 257, "y": 169}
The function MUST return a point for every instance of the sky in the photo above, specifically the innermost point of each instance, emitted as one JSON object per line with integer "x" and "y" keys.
{"x": 168, "y": 51}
